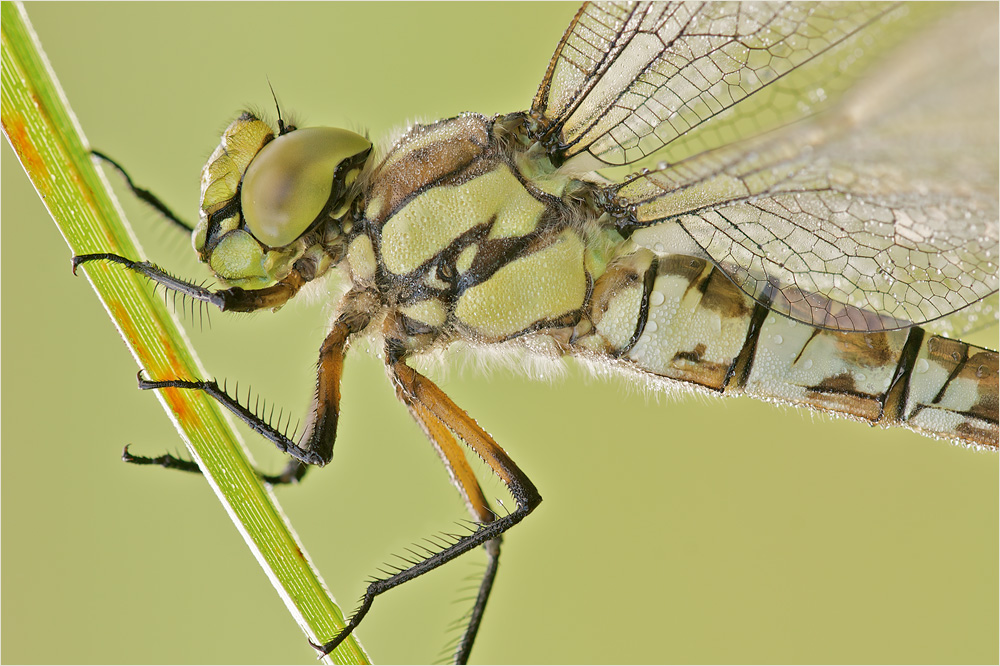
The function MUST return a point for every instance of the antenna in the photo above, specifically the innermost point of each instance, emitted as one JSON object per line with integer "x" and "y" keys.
{"x": 281, "y": 123}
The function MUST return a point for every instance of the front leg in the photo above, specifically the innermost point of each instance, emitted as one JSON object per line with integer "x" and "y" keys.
{"x": 233, "y": 299}
{"x": 315, "y": 446}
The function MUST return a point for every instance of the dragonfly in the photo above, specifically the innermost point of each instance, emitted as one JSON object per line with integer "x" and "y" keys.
{"x": 791, "y": 232}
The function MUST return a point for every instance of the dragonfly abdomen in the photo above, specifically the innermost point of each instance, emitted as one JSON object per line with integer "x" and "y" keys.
{"x": 679, "y": 318}
{"x": 933, "y": 385}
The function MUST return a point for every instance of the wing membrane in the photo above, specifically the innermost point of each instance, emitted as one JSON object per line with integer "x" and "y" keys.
{"x": 978, "y": 317}
{"x": 877, "y": 214}
{"x": 627, "y": 80}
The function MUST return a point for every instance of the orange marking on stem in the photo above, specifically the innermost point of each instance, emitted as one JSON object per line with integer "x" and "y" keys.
{"x": 175, "y": 363}
{"x": 124, "y": 321}
{"x": 188, "y": 417}
{"x": 30, "y": 159}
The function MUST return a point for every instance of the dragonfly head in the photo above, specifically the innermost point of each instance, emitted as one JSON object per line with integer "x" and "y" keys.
{"x": 267, "y": 201}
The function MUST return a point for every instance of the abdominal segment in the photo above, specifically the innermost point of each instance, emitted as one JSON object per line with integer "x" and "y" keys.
{"x": 679, "y": 318}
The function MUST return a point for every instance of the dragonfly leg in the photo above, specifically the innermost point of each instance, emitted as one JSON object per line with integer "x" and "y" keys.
{"x": 144, "y": 194}
{"x": 292, "y": 473}
{"x": 315, "y": 447}
{"x": 440, "y": 419}
{"x": 233, "y": 299}
{"x": 464, "y": 479}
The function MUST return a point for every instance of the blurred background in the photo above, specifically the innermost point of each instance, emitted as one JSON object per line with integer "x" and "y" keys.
{"x": 673, "y": 530}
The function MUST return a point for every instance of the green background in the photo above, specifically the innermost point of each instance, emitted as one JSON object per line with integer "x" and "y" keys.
{"x": 673, "y": 530}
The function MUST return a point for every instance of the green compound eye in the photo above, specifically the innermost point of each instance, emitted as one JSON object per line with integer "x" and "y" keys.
{"x": 292, "y": 179}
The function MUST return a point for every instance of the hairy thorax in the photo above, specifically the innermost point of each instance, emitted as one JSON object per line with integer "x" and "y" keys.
{"x": 467, "y": 232}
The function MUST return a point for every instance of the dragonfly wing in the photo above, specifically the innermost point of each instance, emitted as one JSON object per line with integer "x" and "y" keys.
{"x": 877, "y": 214}
{"x": 977, "y": 317}
{"x": 628, "y": 79}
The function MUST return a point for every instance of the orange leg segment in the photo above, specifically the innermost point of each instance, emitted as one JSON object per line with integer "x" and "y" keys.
{"x": 441, "y": 419}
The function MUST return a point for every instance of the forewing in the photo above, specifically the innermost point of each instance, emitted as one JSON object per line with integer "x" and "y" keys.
{"x": 628, "y": 79}
{"x": 875, "y": 215}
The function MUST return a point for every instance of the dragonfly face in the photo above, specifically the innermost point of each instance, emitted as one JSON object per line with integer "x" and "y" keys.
{"x": 236, "y": 275}
{"x": 268, "y": 202}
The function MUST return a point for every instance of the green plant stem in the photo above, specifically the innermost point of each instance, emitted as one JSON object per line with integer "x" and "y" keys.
{"x": 43, "y": 132}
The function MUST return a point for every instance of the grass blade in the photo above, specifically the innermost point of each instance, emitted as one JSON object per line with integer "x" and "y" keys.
{"x": 50, "y": 146}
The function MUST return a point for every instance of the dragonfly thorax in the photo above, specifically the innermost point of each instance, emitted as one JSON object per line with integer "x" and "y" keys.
{"x": 470, "y": 231}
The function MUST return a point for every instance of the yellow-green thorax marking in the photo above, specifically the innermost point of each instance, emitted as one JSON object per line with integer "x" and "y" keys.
{"x": 465, "y": 243}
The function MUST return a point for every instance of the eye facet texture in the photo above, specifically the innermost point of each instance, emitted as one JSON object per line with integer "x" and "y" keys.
{"x": 289, "y": 183}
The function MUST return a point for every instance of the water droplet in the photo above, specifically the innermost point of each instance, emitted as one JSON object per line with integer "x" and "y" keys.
{"x": 777, "y": 339}
{"x": 921, "y": 366}
{"x": 656, "y": 298}
{"x": 806, "y": 364}
{"x": 651, "y": 326}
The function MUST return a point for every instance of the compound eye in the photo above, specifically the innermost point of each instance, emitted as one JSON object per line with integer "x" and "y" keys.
{"x": 292, "y": 179}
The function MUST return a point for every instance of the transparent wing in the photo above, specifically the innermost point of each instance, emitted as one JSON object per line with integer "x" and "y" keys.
{"x": 979, "y": 316}
{"x": 628, "y": 79}
{"x": 877, "y": 214}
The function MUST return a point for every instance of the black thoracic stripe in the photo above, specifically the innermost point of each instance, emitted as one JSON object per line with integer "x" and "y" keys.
{"x": 414, "y": 288}
{"x": 647, "y": 288}
{"x": 444, "y": 261}
{"x": 895, "y": 399}
{"x": 492, "y": 255}
{"x": 480, "y": 164}
{"x": 568, "y": 320}
{"x": 739, "y": 371}
{"x": 495, "y": 253}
